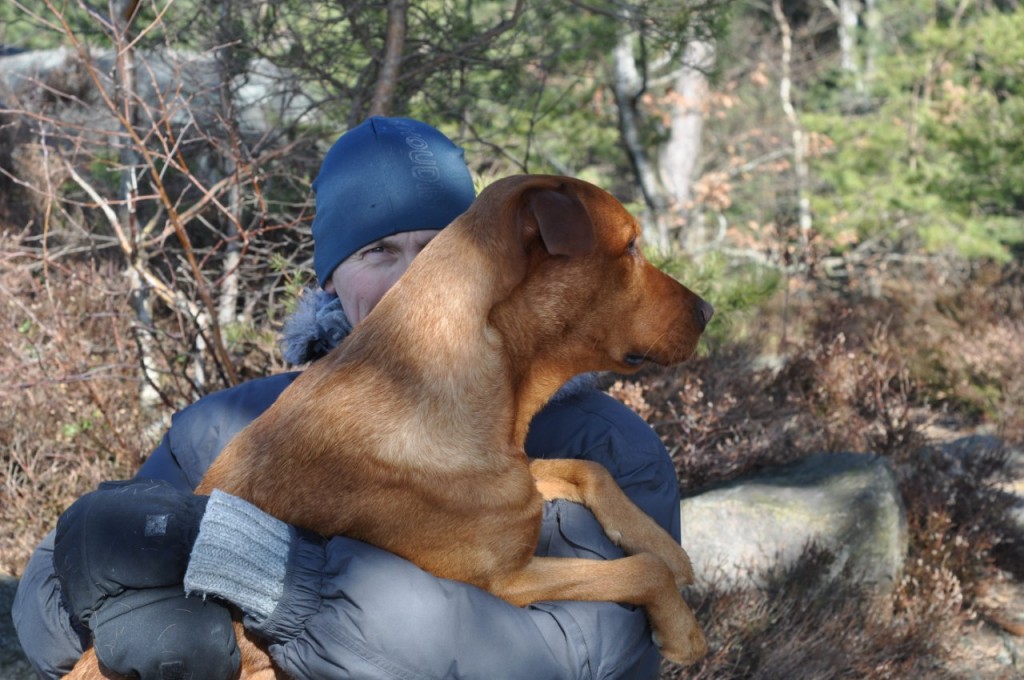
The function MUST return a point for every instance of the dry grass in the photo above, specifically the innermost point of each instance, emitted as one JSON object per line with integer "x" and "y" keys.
{"x": 68, "y": 403}
{"x": 804, "y": 626}
{"x": 869, "y": 376}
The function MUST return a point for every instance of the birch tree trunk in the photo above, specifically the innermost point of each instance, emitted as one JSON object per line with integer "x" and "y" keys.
{"x": 628, "y": 85}
{"x": 847, "y": 17}
{"x": 130, "y": 163}
{"x": 872, "y": 26}
{"x": 228, "y": 298}
{"x": 799, "y": 152}
{"x": 848, "y": 21}
{"x": 678, "y": 158}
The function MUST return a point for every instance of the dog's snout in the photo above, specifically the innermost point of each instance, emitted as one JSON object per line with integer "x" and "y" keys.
{"x": 704, "y": 312}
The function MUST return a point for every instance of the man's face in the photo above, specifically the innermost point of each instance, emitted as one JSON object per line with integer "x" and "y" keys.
{"x": 362, "y": 279}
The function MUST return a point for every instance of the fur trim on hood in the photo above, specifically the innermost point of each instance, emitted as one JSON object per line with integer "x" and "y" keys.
{"x": 319, "y": 324}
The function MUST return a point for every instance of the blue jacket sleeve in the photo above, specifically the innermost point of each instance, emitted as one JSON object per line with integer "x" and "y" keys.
{"x": 201, "y": 431}
{"x": 594, "y": 426}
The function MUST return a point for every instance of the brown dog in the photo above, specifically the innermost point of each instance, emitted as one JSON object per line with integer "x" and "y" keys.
{"x": 410, "y": 435}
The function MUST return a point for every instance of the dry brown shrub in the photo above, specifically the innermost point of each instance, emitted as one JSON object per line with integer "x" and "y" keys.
{"x": 959, "y": 523}
{"x": 802, "y": 625}
{"x": 68, "y": 405}
{"x": 70, "y": 382}
{"x": 976, "y": 367}
{"x": 631, "y": 393}
{"x": 857, "y": 395}
{"x": 865, "y": 374}
{"x": 721, "y": 417}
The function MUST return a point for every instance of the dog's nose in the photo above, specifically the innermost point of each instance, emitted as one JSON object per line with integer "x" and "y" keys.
{"x": 704, "y": 314}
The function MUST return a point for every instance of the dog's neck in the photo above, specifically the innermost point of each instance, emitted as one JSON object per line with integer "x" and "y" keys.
{"x": 474, "y": 371}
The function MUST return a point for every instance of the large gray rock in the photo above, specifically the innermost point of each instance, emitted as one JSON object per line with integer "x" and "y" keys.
{"x": 186, "y": 84}
{"x": 13, "y": 664}
{"x": 847, "y": 503}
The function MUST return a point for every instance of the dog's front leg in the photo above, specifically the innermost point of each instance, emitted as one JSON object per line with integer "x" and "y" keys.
{"x": 625, "y": 524}
{"x": 642, "y": 579}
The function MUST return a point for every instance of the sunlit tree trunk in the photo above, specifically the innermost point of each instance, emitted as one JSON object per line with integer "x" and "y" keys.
{"x": 140, "y": 298}
{"x": 872, "y": 38}
{"x": 628, "y": 85}
{"x": 687, "y": 105}
{"x": 799, "y": 152}
{"x": 228, "y": 294}
{"x": 847, "y": 14}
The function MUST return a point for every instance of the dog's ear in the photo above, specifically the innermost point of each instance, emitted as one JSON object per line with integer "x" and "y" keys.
{"x": 564, "y": 225}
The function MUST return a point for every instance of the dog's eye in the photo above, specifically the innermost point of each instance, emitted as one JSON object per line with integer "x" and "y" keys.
{"x": 632, "y": 246}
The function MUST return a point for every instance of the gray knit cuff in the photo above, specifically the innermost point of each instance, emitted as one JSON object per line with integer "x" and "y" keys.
{"x": 240, "y": 555}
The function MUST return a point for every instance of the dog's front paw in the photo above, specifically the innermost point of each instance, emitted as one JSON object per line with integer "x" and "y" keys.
{"x": 690, "y": 652}
{"x": 688, "y": 644}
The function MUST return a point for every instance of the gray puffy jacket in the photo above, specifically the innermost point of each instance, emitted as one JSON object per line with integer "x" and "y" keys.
{"x": 350, "y": 610}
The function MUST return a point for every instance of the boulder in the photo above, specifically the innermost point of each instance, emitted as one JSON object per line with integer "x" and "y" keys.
{"x": 738, "y": 532}
{"x": 182, "y": 84}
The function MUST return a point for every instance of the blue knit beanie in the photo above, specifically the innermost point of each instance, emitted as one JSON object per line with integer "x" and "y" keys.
{"x": 384, "y": 177}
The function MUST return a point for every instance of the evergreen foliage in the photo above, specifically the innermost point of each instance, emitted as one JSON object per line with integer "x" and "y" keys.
{"x": 937, "y": 160}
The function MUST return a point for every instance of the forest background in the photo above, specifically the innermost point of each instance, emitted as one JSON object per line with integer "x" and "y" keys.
{"x": 842, "y": 179}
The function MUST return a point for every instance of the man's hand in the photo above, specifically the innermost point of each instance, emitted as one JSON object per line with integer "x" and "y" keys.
{"x": 120, "y": 555}
{"x": 126, "y": 535}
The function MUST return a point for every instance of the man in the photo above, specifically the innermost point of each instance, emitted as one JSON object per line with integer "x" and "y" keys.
{"x": 337, "y": 607}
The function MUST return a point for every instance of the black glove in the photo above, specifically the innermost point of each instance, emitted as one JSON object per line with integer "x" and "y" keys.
{"x": 120, "y": 554}
{"x": 135, "y": 534}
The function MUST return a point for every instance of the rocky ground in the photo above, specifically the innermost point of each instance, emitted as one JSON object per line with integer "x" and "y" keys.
{"x": 993, "y": 647}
